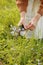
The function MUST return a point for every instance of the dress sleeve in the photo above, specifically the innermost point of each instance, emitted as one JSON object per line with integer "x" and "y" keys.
{"x": 40, "y": 11}
{"x": 22, "y": 5}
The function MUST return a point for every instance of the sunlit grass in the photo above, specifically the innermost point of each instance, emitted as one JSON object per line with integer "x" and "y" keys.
{"x": 16, "y": 50}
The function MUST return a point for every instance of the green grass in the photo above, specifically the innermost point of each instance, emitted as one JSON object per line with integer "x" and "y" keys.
{"x": 16, "y": 50}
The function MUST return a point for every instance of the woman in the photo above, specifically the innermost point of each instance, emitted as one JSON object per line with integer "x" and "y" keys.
{"x": 26, "y": 7}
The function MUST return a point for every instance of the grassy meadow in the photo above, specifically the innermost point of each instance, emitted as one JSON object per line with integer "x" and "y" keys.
{"x": 16, "y": 50}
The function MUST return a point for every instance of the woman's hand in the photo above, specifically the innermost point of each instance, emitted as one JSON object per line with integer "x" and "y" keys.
{"x": 33, "y": 22}
{"x": 22, "y": 20}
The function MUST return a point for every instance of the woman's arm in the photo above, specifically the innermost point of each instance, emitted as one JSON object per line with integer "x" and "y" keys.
{"x": 22, "y": 5}
{"x": 40, "y": 11}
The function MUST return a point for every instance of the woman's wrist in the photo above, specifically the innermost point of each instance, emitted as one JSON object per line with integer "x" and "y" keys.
{"x": 35, "y": 19}
{"x": 38, "y": 16}
{"x": 22, "y": 14}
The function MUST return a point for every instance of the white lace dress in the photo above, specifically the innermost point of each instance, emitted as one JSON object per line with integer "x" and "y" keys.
{"x": 31, "y": 11}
